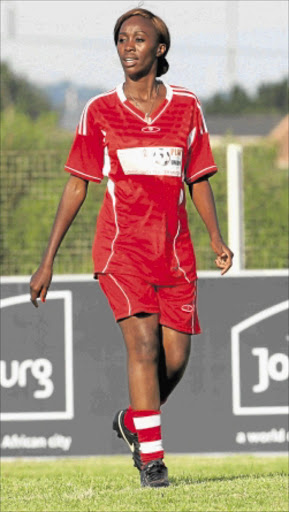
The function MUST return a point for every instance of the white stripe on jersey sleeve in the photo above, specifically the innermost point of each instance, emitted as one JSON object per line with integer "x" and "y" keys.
{"x": 82, "y": 173}
{"x": 191, "y": 137}
{"x": 82, "y": 127}
{"x": 202, "y": 115}
{"x": 182, "y": 91}
{"x": 178, "y": 91}
{"x": 202, "y": 171}
{"x": 185, "y": 93}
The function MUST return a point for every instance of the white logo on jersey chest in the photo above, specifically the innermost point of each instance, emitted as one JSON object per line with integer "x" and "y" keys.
{"x": 150, "y": 129}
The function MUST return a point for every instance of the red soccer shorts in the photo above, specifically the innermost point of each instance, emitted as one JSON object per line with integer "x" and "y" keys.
{"x": 176, "y": 305}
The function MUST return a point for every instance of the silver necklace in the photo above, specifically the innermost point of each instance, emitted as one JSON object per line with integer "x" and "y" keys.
{"x": 148, "y": 119}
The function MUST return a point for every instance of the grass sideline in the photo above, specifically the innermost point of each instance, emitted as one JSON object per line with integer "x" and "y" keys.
{"x": 235, "y": 483}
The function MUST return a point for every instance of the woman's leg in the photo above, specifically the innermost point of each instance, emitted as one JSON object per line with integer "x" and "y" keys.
{"x": 157, "y": 359}
{"x": 141, "y": 336}
{"x": 174, "y": 355}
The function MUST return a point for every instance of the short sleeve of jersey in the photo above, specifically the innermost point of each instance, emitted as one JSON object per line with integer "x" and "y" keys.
{"x": 200, "y": 161}
{"x": 86, "y": 155}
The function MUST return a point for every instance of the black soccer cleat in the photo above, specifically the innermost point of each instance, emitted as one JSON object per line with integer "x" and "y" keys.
{"x": 154, "y": 474}
{"x": 129, "y": 437}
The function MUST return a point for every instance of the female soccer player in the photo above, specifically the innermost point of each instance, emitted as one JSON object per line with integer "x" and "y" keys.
{"x": 148, "y": 138}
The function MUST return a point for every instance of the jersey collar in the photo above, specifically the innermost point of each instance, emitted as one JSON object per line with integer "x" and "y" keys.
{"x": 122, "y": 97}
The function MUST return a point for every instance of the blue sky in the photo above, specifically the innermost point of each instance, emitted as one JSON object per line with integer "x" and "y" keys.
{"x": 61, "y": 40}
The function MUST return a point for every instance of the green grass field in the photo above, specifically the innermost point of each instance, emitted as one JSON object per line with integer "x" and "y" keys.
{"x": 233, "y": 483}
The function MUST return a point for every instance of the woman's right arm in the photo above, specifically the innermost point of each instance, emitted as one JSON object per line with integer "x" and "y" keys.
{"x": 72, "y": 198}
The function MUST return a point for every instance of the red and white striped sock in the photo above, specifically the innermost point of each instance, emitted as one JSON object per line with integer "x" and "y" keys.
{"x": 128, "y": 420}
{"x": 148, "y": 427}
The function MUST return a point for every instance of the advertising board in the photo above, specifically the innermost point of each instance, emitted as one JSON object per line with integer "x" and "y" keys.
{"x": 63, "y": 370}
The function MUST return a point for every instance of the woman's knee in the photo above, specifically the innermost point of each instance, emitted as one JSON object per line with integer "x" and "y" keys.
{"x": 141, "y": 337}
{"x": 145, "y": 349}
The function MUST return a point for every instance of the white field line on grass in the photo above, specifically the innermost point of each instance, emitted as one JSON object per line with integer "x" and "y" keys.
{"x": 126, "y": 455}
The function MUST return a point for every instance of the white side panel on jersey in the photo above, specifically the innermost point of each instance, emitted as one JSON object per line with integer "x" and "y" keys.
{"x": 181, "y": 196}
{"x": 110, "y": 188}
{"x": 175, "y": 251}
{"x": 106, "y": 162}
{"x": 154, "y": 161}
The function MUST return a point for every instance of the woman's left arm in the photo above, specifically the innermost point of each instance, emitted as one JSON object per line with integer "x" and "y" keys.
{"x": 203, "y": 199}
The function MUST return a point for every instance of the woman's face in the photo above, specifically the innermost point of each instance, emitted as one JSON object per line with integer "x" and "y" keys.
{"x": 138, "y": 46}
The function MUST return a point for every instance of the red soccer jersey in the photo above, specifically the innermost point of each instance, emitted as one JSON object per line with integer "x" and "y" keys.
{"x": 142, "y": 226}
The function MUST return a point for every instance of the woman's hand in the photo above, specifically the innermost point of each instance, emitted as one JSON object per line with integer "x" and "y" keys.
{"x": 39, "y": 284}
{"x": 225, "y": 256}
{"x": 203, "y": 199}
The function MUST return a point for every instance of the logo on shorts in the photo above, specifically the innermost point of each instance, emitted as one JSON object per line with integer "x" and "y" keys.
{"x": 188, "y": 308}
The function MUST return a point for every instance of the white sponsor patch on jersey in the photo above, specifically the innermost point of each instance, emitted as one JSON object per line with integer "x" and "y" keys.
{"x": 155, "y": 161}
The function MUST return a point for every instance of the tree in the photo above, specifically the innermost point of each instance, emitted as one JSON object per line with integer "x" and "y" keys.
{"x": 274, "y": 95}
{"x": 18, "y": 92}
{"x": 269, "y": 98}
{"x": 234, "y": 102}
{"x": 28, "y": 121}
